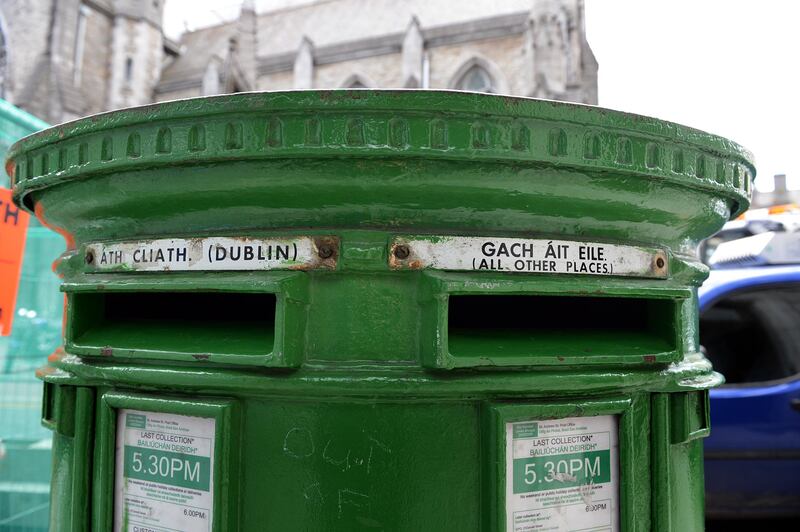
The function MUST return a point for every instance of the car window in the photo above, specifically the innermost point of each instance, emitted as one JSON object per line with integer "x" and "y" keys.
{"x": 754, "y": 335}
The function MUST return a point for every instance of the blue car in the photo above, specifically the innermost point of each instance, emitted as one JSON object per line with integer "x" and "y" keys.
{"x": 750, "y": 330}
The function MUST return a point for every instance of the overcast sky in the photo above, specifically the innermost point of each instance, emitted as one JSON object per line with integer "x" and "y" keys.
{"x": 729, "y": 67}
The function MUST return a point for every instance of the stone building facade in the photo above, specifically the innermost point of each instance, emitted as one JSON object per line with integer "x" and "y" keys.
{"x": 60, "y": 59}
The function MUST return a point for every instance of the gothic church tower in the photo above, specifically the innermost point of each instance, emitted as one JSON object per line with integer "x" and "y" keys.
{"x": 62, "y": 59}
{"x": 137, "y": 52}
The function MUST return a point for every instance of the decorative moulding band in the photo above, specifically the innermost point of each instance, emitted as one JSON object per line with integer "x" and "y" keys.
{"x": 383, "y": 124}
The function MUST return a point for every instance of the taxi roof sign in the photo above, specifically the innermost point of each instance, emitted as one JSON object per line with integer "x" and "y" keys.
{"x": 758, "y": 250}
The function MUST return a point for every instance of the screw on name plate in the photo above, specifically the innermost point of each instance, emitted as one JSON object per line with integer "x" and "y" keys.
{"x": 89, "y": 257}
{"x": 401, "y": 252}
{"x": 325, "y": 251}
{"x": 660, "y": 262}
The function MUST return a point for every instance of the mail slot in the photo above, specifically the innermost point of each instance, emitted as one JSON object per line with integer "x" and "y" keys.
{"x": 197, "y": 323}
{"x": 559, "y": 326}
{"x": 379, "y": 310}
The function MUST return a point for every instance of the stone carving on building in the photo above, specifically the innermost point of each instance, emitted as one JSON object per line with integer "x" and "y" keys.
{"x": 60, "y": 59}
{"x": 413, "y": 50}
{"x": 304, "y": 65}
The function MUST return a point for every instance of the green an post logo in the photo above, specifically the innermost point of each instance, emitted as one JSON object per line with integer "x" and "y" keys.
{"x": 526, "y": 430}
{"x": 135, "y": 421}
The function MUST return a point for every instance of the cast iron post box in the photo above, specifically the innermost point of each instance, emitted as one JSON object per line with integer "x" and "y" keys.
{"x": 379, "y": 310}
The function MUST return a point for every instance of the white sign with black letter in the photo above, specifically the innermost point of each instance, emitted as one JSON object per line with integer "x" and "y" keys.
{"x": 209, "y": 254}
{"x": 521, "y": 255}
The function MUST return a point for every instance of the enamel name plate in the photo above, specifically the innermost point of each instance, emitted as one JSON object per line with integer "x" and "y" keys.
{"x": 520, "y": 255}
{"x": 213, "y": 254}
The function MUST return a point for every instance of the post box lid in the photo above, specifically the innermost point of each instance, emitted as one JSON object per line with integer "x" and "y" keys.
{"x": 372, "y": 157}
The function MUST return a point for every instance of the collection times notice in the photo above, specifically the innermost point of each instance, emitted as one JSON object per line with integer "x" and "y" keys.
{"x": 562, "y": 475}
{"x": 163, "y": 480}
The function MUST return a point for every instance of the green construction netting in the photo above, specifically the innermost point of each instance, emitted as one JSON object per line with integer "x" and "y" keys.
{"x": 24, "y": 443}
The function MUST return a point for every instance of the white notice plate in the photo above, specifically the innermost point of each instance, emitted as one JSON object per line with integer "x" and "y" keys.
{"x": 562, "y": 475}
{"x": 213, "y": 254}
{"x": 164, "y": 474}
{"x": 521, "y": 255}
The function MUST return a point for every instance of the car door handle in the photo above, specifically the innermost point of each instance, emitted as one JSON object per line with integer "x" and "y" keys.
{"x": 795, "y": 404}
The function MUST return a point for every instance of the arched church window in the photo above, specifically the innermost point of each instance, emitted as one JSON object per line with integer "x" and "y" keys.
{"x": 476, "y": 79}
{"x": 357, "y": 81}
{"x": 3, "y": 64}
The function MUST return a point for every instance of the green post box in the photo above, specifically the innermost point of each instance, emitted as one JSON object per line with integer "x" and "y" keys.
{"x": 379, "y": 310}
